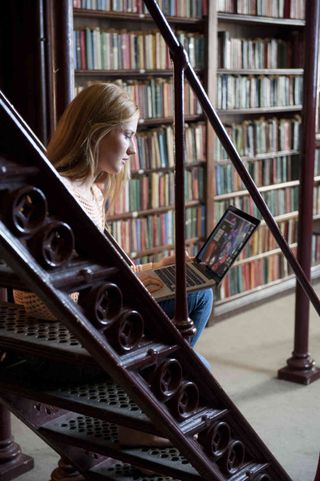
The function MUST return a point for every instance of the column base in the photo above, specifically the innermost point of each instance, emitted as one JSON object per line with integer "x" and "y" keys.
{"x": 14, "y": 468}
{"x": 66, "y": 472}
{"x": 300, "y": 376}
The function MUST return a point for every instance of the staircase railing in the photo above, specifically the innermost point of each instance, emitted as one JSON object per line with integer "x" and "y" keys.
{"x": 117, "y": 331}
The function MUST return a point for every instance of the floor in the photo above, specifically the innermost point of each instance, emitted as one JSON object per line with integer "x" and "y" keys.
{"x": 246, "y": 351}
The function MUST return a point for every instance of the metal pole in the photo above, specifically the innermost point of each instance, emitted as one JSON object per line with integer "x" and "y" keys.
{"x": 300, "y": 366}
{"x": 182, "y": 322}
{"x": 12, "y": 462}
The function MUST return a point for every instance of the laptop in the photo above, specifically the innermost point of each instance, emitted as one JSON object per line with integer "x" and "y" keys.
{"x": 215, "y": 257}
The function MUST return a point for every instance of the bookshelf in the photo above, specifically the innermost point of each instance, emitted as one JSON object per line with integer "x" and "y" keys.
{"x": 143, "y": 219}
{"x": 254, "y": 60}
{"x": 259, "y": 72}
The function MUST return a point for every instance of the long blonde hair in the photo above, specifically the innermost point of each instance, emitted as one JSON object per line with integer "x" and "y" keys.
{"x": 74, "y": 146}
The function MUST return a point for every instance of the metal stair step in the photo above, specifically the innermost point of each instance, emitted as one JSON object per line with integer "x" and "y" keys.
{"x": 31, "y": 336}
{"x": 100, "y": 436}
{"x": 111, "y": 470}
{"x": 102, "y": 398}
{"x": 52, "y": 339}
{"x": 115, "y": 470}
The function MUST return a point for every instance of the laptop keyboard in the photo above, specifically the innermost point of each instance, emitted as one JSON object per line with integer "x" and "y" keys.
{"x": 168, "y": 277}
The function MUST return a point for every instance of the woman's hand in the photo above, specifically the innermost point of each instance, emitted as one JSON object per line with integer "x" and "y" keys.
{"x": 168, "y": 261}
{"x": 152, "y": 283}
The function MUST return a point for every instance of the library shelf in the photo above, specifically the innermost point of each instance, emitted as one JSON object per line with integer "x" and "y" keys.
{"x": 279, "y": 218}
{"x": 252, "y": 70}
{"x": 225, "y": 308}
{"x": 261, "y": 71}
{"x": 262, "y": 255}
{"x": 141, "y": 73}
{"x": 116, "y": 74}
{"x": 136, "y": 17}
{"x": 263, "y": 156}
{"x": 259, "y": 20}
{"x": 162, "y": 248}
{"x": 265, "y": 188}
{"x": 140, "y": 78}
{"x": 168, "y": 120}
{"x": 260, "y": 110}
{"x": 188, "y": 166}
{"x": 147, "y": 212}
{"x": 289, "y": 30}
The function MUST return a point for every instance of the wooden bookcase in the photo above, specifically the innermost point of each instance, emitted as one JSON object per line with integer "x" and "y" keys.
{"x": 260, "y": 59}
{"x": 143, "y": 219}
{"x": 263, "y": 118}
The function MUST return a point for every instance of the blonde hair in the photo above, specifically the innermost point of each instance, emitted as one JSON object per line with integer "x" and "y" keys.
{"x": 74, "y": 146}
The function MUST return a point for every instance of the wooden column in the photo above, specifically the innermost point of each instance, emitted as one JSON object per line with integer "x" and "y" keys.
{"x": 59, "y": 32}
{"x": 317, "y": 478}
{"x": 12, "y": 462}
{"x": 300, "y": 366}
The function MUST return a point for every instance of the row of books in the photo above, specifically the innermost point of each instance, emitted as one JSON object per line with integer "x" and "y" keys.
{"x": 157, "y": 190}
{"x": 263, "y": 240}
{"x": 280, "y": 201}
{"x": 246, "y": 91}
{"x": 266, "y": 8}
{"x": 155, "y": 147}
{"x": 264, "y": 172}
{"x": 154, "y": 96}
{"x": 253, "y": 274}
{"x": 96, "y": 49}
{"x": 260, "y": 272}
{"x": 258, "y": 53}
{"x": 139, "y": 234}
{"x": 262, "y": 135}
{"x": 172, "y": 8}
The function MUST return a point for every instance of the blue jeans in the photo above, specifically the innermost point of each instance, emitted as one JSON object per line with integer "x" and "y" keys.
{"x": 199, "y": 310}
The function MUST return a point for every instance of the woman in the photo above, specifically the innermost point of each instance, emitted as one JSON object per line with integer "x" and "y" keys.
{"x": 91, "y": 149}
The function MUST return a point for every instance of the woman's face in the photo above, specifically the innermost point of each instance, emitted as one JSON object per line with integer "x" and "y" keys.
{"x": 116, "y": 147}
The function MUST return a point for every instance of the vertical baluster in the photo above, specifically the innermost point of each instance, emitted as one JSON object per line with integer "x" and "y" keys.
{"x": 12, "y": 462}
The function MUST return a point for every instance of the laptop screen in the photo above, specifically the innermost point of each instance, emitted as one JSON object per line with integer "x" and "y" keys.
{"x": 226, "y": 241}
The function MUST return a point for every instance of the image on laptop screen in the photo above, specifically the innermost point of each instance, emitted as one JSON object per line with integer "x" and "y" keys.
{"x": 226, "y": 241}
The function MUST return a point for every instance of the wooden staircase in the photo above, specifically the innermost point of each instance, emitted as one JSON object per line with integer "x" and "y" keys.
{"x": 113, "y": 358}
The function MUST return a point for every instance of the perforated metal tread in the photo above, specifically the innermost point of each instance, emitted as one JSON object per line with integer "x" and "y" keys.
{"x": 52, "y": 339}
{"x": 102, "y": 437}
{"x": 118, "y": 471}
{"x": 29, "y": 335}
{"x": 102, "y": 399}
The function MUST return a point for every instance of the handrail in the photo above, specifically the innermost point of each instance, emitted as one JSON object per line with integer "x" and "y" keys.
{"x": 217, "y": 125}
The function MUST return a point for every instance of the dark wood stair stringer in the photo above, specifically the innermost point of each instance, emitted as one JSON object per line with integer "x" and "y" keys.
{"x": 138, "y": 346}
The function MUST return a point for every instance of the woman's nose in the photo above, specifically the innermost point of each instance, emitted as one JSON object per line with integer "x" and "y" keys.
{"x": 132, "y": 148}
